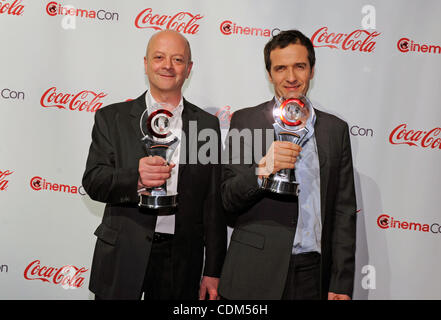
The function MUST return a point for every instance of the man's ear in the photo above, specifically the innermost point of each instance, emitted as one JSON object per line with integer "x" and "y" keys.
{"x": 269, "y": 76}
{"x": 190, "y": 65}
{"x": 145, "y": 65}
{"x": 312, "y": 73}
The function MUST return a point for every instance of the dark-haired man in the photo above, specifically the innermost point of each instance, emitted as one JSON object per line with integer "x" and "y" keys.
{"x": 297, "y": 247}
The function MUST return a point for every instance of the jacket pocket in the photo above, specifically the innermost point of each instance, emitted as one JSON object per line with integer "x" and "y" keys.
{"x": 251, "y": 239}
{"x": 106, "y": 234}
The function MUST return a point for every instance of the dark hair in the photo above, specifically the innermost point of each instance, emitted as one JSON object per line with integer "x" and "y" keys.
{"x": 284, "y": 39}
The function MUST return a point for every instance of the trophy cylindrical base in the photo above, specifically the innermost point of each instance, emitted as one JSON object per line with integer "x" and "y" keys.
{"x": 158, "y": 202}
{"x": 280, "y": 187}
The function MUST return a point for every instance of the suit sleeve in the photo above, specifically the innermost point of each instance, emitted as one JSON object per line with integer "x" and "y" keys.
{"x": 102, "y": 180}
{"x": 240, "y": 188}
{"x": 215, "y": 227}
{"x": 344, "y": 229}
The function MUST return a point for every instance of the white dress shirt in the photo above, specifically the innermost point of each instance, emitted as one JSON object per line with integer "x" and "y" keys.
{"x": 307, "y": 171}
{"x": 166, "y": 223}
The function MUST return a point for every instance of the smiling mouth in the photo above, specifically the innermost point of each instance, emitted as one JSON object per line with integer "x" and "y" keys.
{"x": 295, "y": 84}
{"x": 296, "y": 87}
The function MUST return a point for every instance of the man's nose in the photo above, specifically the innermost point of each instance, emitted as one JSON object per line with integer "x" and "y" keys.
{"x": 168, "y": 63}
{"x": 291, "y": 75}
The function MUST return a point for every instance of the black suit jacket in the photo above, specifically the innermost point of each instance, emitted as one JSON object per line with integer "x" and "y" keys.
{"x": 125, "y": 235}
{"x": 258, "y": 257}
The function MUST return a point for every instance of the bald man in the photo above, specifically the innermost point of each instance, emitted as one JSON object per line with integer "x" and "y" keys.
{"x": 143, "y": 253}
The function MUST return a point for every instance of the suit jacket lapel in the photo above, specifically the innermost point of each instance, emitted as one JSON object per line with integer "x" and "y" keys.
{"x": 188, "y": 114}
{"x": 322, "y": 140}
{"x": 138, "y": 107}
{"x": 268, "y": 112}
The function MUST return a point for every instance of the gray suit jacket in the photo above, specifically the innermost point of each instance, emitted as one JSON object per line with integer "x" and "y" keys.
{"x": 257, "y": 260}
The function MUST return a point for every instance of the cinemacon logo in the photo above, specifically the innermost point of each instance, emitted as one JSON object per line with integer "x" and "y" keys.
{"x": 406, "y": 45}
{"x": 357, "y": 40}
{"x": 68, "y": 276}
{"x": 57, "y": 9}
{"x": 228, "y": 27}
{"x": 417, "y": 138}
{"x": 85, "y": 100}
{"x": 183, "y": 21}
{"x": 385, "y": 221}
{"x": 11, "y": 94}
{"x": 39, "y": 184}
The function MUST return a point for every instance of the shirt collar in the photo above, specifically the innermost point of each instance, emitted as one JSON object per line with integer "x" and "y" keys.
{"x": 152, "y": 104}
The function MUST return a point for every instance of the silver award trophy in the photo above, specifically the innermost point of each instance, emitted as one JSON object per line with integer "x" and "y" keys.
{"x": 158, "y": 141}
{"x": 290, "y": 125}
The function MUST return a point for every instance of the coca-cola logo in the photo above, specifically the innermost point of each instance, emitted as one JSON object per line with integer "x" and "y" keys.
{"x": 68, "y": 276}
{"x": 425, "y": 139}
{"x": 85, "y": 100}
{"x": 39, "y": 183}
{"x": 358, "y": 40}
{"x": 184, "y": 22}
{"x": 3, "y": 179}
{"x": 14, "y": 8}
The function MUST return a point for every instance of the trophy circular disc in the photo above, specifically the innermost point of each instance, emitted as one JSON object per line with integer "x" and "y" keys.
{"x": 158, "y": 123}
{"x": 292, "y": 111}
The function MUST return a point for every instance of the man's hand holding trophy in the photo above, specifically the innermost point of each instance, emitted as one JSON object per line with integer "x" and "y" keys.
{"x": 277, "y": 168}
{"x": 155, "y": 169}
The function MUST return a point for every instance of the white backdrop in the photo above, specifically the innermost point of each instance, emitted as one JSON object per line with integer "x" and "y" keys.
{"x": 378, "y": 68}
